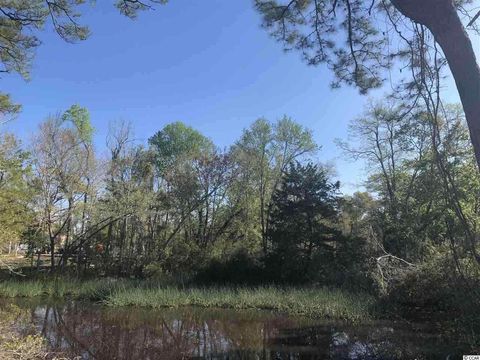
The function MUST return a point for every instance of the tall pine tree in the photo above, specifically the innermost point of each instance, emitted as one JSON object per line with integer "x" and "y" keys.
{"x": 302, "y": 221}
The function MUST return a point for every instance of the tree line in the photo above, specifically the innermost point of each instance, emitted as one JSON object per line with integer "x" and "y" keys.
{"x": 262, "y": 210}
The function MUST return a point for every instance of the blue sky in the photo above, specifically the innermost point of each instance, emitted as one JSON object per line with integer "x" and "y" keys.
{"x": 206, "y": 63}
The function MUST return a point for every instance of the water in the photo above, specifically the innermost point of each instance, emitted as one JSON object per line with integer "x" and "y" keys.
{"x": 92, "y": 331}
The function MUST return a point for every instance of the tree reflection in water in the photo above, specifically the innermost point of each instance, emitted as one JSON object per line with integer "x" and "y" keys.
{"x": 96, "y": 332}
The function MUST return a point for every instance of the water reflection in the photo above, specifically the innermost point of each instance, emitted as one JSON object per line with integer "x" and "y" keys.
{"x": 96, "y": 332}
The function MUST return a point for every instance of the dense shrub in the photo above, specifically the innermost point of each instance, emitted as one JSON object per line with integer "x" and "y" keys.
{"x": 240, "y": 269}
{"x": 352, "y": 266}
{"x": 435, "y": 285}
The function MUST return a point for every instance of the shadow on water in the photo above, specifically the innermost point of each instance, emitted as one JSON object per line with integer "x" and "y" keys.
{"x": 96, "y": 332}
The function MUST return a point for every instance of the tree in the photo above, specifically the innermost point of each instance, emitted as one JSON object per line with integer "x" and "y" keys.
{"x": 356, "y": 214}
{"x": 63, "y": 166}
{"x": 314, "y": 27}
{"x": 177, "y": 142}
{"x": 15, "y": 191}
{"x": 302, "y": 222}
{"x": 264, "y": 152}
{"x": 395, "y": 145}
{"x": 256, "y": 155}
{"x": 181, "y": 202}
{"x": 409, "y": 155}
{"x": 7, "y": 109}
{"x": 128, "y": 206}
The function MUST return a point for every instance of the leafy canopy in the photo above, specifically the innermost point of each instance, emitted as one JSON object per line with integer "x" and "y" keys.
{"x": 178, "y": 141}
{"x": 80, "y": 118}
{"x": 15, "y": 192}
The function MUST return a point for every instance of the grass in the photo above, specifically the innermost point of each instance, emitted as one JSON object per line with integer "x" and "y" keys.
{"x": 62, "y": 287}
{"x": 314, "y": 303}
{"x": 309, "y": 302}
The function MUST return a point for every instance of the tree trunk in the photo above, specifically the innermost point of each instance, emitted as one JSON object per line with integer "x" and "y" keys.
{"x": 38, "y": 260}
{"x": 52, "y": 253}
{"x": 65, "y": 255}
{"x": 441, "y": 18}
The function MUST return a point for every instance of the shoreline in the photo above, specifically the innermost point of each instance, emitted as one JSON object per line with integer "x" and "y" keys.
{"x": 295, "y": 301}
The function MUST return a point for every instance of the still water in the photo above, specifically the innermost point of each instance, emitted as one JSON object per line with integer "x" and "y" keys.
{"x": 96, "y": 332}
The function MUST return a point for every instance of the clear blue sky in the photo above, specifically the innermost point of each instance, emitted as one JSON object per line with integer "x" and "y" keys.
{"x": 206, "y": 63}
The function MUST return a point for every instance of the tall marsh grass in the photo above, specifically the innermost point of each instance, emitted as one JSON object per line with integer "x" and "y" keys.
{"x": 314, "y": 303}
{"x": 309, "y": 302}
{"x": 62, "y": 287}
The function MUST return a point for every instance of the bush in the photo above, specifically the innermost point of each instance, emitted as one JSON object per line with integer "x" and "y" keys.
{"x": 435, "y": 285}
{"x": 351, "y": 266}
{"x": 241, "y": 269}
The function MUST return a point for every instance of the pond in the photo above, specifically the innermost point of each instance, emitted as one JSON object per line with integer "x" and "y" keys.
{"x": 92, "y": 331}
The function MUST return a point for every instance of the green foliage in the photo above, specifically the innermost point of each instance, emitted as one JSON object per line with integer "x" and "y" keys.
{"x": 130, "y": 8}
{"x": 186, "y": 203}
{"x": 302, "y": 229}
{"x": 409, "y": 212}
{"x": 64, "y": 165}
{"x": 240, "y": 268}
{"x": 20, "y": 20}
{"x": 314, "y": 28}
{"x": 435, "y": 287}
{"x": 293, "y": 140}
{"x": 176, "y": 142}
{"x": 80, "y": 118}
{"x": 348, "y": 36}
{"x": 352, "y": 267}
{"x": 263, "y": 154}
{"x": 15, "y": 192}
{"x": 257, "y": 214}
{"x": 357, "y": 211}
{"x": 418, "y": 234}
{"x": 61, "y": 287}
{"x": 7, "y": 108}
